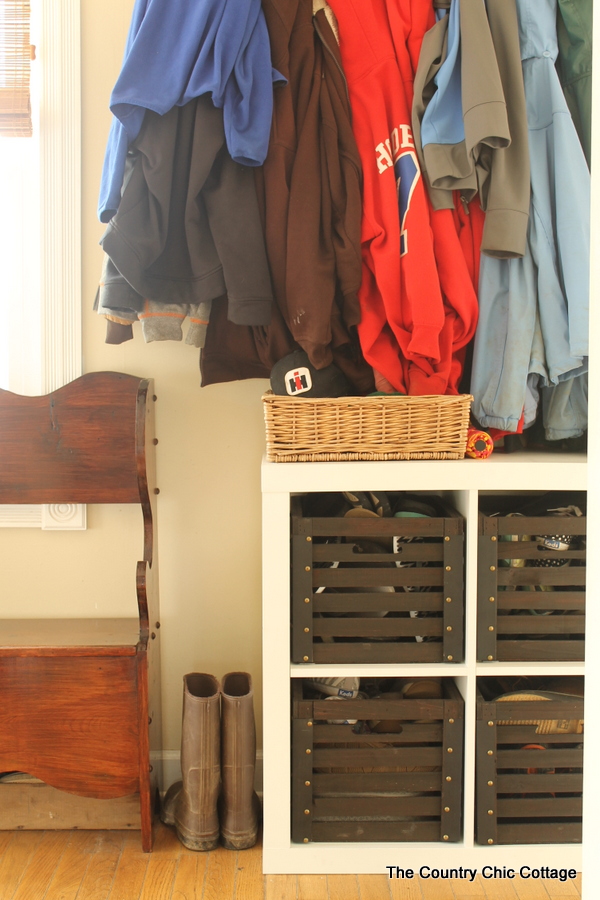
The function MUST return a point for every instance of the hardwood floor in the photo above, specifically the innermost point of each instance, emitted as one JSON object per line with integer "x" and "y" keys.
{"x": 110, "y": 865}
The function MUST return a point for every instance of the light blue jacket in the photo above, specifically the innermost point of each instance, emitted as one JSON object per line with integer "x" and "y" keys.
{"x": 533, "y": 321}
{"x": 177, "y": 50}
{"x": 443, "y": 118}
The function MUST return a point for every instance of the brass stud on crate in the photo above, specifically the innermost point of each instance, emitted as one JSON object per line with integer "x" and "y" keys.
{"x": 446, "y": 837}
{"x": 490, "y": 753}
{"x": 309, "y": 539}
{"x": 306, "y": 630}
{"x": 306, "y": 840}
{"x": 446, "y": 538}
{"x": 448, "y": 568}
{"x": 492, "y": 568}
{"x": 448, "y": 777}
{"x": 490, "y": 812}
{"x": 307, "y": 784}
{"x": 490, "y": 724}
{"x": 490, "y": 841}
{"x": 448, "y": 599}
{"x": 451, "y": 721}
{"x": 450, "y": 750}
{"x": 450, "y": 657}
{"x": 307, "y": 568}
{"x": 308, "y": 751}
{"x": 448, "y": 627}
{"x": 492, "y": 599}
{"x": 305, "y": 658}
{"x": 494, "y": 538}
{"x": 307, "y": 812}
{"x": 490, "y": 627}
{"x": 490, "y": 783}
{"x": 307, "y": 599}
{"x": 490, "y": 658}
{"x": 446, "y": 809}
{"x": 309, "y": 724}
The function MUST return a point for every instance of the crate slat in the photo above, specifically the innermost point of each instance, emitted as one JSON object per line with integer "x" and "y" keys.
{"x": 543, "y": 833}
{"x": 377, "y": 832}
{"x": 392, "y": 652}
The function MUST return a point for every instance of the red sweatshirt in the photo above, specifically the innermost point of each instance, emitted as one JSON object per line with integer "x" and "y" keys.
{"x": 418, "y": 304}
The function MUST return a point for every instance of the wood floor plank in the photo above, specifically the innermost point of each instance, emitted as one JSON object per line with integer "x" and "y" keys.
{"x": 436, "y": 889}
{"x": 5, "y": 839}
{"x": 469, "y": 890}
{"x": 500, "y": 889}
{"x": 281, "y": 887}
{"x": 558, "y": 889}
{"x": 131, "y": 871}
{"x": 158, "y": 883}
{"x": 100, "y": 873}
{"x": 312, "y": 887}
{"x": 343, "y": 887}
{"x": 41, "y": 867}
{"x": 189, "y": 877}
{"x": 219, "y": 881}
{"x": 15, "y": 860}
{"x": 166, "y": 843}
{"x": 405, "y": 888}
{"x": 530, "y": 889}
{"x": 72, "y": 866}
{"x": 374, "y": 887}
{"x": 249, "y": 879}
{"x": 162, "y": 865}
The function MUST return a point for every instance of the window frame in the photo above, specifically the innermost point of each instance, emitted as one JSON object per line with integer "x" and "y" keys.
{"x": 57, "y": 35}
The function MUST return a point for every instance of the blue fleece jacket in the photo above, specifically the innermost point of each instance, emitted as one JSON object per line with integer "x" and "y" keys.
{"x": 177, "y": 50}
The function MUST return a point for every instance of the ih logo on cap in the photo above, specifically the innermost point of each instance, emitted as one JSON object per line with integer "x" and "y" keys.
{"x": 298, "y": 381}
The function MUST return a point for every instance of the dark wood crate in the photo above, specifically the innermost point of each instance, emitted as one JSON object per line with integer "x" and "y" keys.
{"x": 528, "y": 783}
{"x": 400, "y": 786}
{"x": 526, "y": 612}
{"x": 340, "y": 597}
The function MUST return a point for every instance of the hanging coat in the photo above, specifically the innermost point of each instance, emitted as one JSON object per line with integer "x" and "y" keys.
{"x": 417, "y": 302}
{"x": 533, "y": 323}
{"x": 309, "y": 190}
{"x": 574, "y": 65}
{"x": 176, "y": 51}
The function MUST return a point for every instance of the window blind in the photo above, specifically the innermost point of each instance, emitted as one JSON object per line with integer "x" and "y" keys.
{"x": 15, "y": 60}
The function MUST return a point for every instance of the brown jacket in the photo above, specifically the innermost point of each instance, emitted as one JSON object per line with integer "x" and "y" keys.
{"x": 309, "y": 191}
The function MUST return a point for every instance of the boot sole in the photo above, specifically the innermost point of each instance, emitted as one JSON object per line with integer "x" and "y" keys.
{"x": 198, "y": 844}
{"x": 239, "y": 843}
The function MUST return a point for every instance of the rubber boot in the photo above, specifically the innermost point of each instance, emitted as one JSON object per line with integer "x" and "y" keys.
{"x": 191, "y": 805}
{"x": 239, "y": 805}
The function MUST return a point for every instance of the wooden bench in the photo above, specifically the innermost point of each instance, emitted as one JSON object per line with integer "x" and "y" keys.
{"x": 80, "y": 703}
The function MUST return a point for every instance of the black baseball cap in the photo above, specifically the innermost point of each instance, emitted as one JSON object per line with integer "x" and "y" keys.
{"x": 295, "y": 376}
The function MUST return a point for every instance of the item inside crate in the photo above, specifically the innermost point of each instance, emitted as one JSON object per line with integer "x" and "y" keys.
{"x": 532, "y": 563}
{"x": 382, "y": 566}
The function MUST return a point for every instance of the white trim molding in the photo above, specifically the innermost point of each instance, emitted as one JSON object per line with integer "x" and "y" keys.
{"x": 60, "y": 194}
{"x": 57, "y": 38}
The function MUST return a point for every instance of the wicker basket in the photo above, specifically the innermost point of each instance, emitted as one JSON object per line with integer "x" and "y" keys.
{"x": 343, "y": 428}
